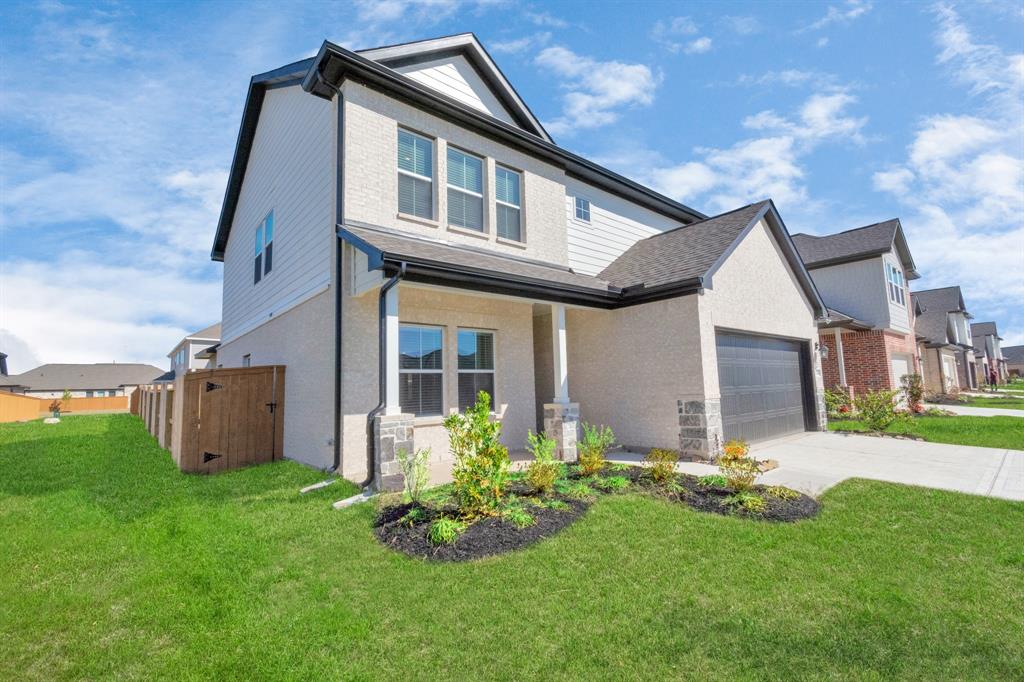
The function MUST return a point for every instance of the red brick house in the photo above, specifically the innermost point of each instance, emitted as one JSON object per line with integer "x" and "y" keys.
{"x": 862, "y": 275}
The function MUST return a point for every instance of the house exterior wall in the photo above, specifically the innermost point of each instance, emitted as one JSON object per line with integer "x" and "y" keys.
{"x": 867, "y": 358}
{"x": 856, "y": 289}
{"x": 512, "y": 323}
{"x": 290, "y": 171}
{"x": 629, "y": 368}
{"x": 456, "y": 78}
{"x": 934, "y": 371}
{"x": 372, "y": 120}
{"x": 91, "y": 393}
{"x": 900, "y": 316}
{"x": 301, "y": 339}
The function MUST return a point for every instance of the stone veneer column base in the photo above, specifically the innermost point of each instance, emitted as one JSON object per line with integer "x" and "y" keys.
{"x": 561, "y": 422}
{"x": 391, "y": 432}
{"x": 819, "y": 404}
{"x": 700, "y": 430}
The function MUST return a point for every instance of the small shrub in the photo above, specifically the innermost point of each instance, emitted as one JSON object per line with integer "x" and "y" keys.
{"x": 781, "y": 492}
{"x": 413, "y": 516}
{"x": 877, "y": 409}
{"x": 939, "y": 412}
{"x": 912, "y": 388}
{"x": 663, "y": 464}
{"x": 575, "y": 489}
{"x": 558, "y": 505}
{"x": 618, "y": 467}
{"x": 592, "y": 447}
{"x": 837, "y": 403}
{"x": 445, "y": 531}
{"x": 543, "y": 470}
{"x": 747, "y": 501}
{"x": 519, "y": 517}
{"x": 738, "y": 469}
{"x": 612, "y": 483}
{"x": 713, "y": 481}
{"x": 416, "y": 471}
{"x": 481, "y": 464}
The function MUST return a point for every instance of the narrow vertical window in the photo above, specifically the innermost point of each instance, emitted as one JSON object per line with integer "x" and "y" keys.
{"x": 247, "y": 360}
{"x": 476, "y": 366}
{"x": 264, "y": 258}
{"x": 507, "y": 189}
{"x": 415, "y": 175}
{"x": 582, "y": 209}
{"x": 420, "y": 367}
{"x": 465, "y": 190}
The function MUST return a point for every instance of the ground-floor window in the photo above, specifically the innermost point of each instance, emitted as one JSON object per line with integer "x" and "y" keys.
{"x": 421, "y": 370}
{"x": 247, "y": 360}
{"x": 476, "y": 366}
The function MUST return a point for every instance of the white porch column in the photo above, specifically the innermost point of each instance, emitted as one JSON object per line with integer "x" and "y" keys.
{"x": 558, "y": 354}
{"x": 391, "y": 405}
{"x": 839, "y": 356}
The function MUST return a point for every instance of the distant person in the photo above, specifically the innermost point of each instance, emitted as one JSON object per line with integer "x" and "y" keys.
{"x": 993, "y": 379}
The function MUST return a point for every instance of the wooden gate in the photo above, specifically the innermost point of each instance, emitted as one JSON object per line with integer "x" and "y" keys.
{"x": 232, "y": 418}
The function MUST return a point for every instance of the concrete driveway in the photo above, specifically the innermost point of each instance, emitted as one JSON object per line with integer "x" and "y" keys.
{"x": 814, "y": 462}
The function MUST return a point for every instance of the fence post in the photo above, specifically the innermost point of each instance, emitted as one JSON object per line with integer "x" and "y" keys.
{"x": 177, "y": 420}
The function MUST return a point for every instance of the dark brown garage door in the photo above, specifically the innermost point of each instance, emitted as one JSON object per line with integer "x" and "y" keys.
{"x": 762, "y": 385}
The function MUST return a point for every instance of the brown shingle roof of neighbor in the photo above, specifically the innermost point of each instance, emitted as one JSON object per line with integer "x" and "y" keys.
{"x": 58, "y": 377}
{"x": 1013, "y": 354}
{"x": 931, "y": 322}
{"x": 850, "y": 245}
{"x": 984, "y": 329}
{"x": 681, "y": 253}
{"x": 211, "y": 332}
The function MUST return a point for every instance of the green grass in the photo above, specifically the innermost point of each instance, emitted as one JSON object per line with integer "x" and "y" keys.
{"x": 989, "y": 432}
{"x": 115, "y": 565}
{"x": 1013, "y": 403}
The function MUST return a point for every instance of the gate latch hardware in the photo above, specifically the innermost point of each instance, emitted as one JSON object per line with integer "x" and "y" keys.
{"x": 271, "y": 407}
{"x": 210, "y": 386}
{"x": 210, "y": 456}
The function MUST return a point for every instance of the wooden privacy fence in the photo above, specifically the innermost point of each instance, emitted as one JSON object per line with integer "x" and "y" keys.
{"x": 217, "y": 419}
{"x": 15, "y": 407}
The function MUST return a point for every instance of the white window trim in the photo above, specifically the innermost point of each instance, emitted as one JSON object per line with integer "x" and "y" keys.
{"x": 894, "y": 284}
{"x": 499, "y": 202}
{"x": 480, "y": 195}
{"x": 444, "y": 380}
{"x": 576, "y": 209}
{"x": 493, "y": 371}
{"x": 433, "y": 167}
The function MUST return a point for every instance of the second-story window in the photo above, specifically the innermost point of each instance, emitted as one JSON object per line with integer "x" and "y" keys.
{"x": 264, "y": 259}
{"x": 582, "y": 209}
{"x": 465, "y": 190}
{"x": 895, "y": 282}
{"x": 415, "y": 175}
{"x": 507, "y": 190}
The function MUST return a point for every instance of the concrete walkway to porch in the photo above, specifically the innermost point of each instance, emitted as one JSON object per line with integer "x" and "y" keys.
{"x": 969, "y": 411}
{"x": 814, "y": 462}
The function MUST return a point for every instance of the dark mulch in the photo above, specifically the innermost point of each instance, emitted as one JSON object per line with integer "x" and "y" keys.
{"x": 482, "y": 538}
{"x": 492, "y": 536}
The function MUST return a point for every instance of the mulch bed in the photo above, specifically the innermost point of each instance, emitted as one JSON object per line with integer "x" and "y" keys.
{"x": 493, "y": 536}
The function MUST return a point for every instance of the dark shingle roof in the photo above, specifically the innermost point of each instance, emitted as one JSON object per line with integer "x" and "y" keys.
{"x": 984, "y": 329}
{"x": 855, "y": 244}
{"x": 58, "y": 377}
{"x": 1014, "y": 354}
{"x": 838, "y": 319}
{"x": 165, "y": 377}
{"x": 682, "y": 253}
{"x": 935, "y": 304}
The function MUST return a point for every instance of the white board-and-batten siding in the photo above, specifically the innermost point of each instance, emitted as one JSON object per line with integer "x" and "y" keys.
{"x": 290, "y": 171}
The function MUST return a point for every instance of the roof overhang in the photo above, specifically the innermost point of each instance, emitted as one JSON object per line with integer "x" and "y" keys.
{"x": 838, "y": 320}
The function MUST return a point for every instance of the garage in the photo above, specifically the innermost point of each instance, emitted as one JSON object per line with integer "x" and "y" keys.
{"x": 762, "y": 382}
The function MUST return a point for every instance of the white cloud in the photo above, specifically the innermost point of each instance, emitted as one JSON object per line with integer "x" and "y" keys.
{"x": 743, "y": 25}
{"x": 546, "y": 19}
{"x": 519, "y": 45}
{"x": 596, "y": 90}
{"x": 675, "y": 34}
{"x": 840, "y": 14}
{"x": 962, "y": 182}
{"x": 698, "y": 46}
{"x": 792, "y": 78}
{"x": 822, "y": 41}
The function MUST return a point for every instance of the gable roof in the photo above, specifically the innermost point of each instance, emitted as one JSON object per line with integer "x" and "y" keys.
{"x": 856, "y": 244}
{"x": 333, "y": 64}
{"x": 58, "y": 377}
{"x": 466, "y": 45}
{"x": 984, "y": 329}
{"x": 696, "y": 251}
{"x": 211, "y": 333}
{"x": 1014, "y": 354}
{"x": 935, "y": 306}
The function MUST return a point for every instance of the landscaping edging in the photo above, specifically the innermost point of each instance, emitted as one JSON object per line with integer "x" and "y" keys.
{"x": 493, "y": 536}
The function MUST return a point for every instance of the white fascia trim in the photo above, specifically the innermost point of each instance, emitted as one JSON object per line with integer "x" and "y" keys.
{"x": 319, "y": 286}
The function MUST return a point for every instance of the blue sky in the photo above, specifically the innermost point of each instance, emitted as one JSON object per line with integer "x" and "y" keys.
{"x": 119, "y": 120}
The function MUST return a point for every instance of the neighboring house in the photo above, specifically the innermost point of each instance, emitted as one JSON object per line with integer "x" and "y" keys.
{"x": 862, "y": 275}
{"x": 1014, "y": 356}
{"x": 988, "y": 353}
{"x": 195, "y": 351}
{"x": 946, "y": 349}
{"x": 83, "y": 381}
{"x": 401, "y": 232}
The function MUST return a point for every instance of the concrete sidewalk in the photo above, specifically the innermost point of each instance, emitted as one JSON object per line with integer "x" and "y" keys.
{"x": 969, "y": 411}
{"x": 814, "y": 462}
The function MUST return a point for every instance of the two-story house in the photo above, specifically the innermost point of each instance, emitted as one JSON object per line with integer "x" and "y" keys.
{"x": 195, "y": 351}
{"x": 862, "y": 275}
{"x": 401, "y": 232}
{"x": 946, "y": 348}
{"x": 988, "y": 354}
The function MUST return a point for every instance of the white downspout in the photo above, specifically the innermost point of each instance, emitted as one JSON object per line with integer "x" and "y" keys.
{"x": 839, "y": 356}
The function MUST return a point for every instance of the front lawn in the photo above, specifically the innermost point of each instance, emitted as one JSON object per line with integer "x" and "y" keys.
{"x": 1014, "y": 403}
{"x": 989, "y": 432}
{"x": 117, "y": 565}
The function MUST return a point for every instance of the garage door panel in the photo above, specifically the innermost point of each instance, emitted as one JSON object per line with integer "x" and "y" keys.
{"x": 761, "y": 382}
